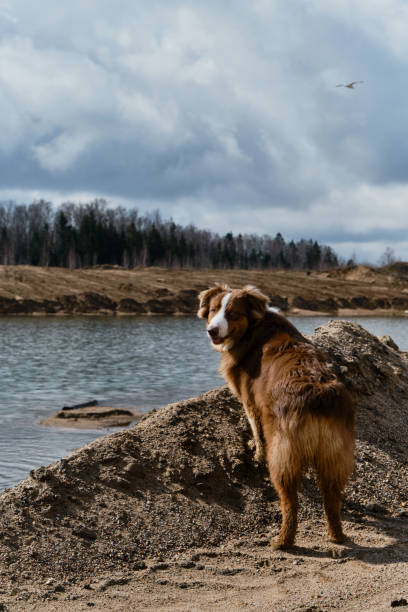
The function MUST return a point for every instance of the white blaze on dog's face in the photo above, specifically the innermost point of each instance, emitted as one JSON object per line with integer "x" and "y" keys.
{"x": 229, "y": 312}
{"x": 217, "y": 322}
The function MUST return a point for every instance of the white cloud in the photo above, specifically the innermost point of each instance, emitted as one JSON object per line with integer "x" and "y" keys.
{"x": 370, "y": 208}
{"x": 60, "y": 153}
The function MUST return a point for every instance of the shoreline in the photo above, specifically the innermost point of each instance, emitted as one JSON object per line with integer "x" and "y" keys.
{"x": 295, "y": 312}
{"x": 349, "y": 313}
{"x": 36, "y": 291}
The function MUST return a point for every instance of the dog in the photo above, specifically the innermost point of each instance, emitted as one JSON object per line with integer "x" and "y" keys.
{"x": 300, "y": 414}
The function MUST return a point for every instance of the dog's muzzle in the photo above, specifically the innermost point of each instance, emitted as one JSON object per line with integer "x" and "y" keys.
{"x": 213, "y": 332}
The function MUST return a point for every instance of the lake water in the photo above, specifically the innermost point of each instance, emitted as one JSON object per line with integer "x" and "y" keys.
{"x": 142, "y": 362}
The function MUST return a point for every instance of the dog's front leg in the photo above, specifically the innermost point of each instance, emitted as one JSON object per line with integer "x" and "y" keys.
{"x": 255, "y": 424}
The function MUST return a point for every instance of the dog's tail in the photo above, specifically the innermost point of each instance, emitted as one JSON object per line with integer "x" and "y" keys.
{"x": 324, "y": 442}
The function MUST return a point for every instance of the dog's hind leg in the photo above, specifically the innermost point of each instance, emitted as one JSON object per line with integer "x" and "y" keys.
{"x": 332, "y": 476}
{"x": 332, "y": 496}
{"x": 288, "y": 495}
{"x": 285, "y": 473}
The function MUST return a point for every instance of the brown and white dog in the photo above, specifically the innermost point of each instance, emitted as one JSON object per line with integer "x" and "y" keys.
{"x": 301, "y": 415}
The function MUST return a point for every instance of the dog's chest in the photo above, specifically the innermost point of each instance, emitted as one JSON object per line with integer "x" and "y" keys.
{"x": 233, "y": 380}
{"x": 240, "y": 384}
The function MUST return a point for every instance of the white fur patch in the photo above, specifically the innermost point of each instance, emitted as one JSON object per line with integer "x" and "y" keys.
{"x": 219, "y": 320}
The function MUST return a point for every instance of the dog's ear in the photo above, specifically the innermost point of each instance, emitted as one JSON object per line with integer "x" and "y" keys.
{"x": 257, "y": 301}
{"x": 205, "y": 297}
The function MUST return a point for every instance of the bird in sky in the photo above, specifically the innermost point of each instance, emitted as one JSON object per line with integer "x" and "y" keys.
{"x": 349, "y": 85}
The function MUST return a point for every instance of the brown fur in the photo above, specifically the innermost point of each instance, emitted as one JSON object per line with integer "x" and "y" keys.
{"x": 301, "y": 415}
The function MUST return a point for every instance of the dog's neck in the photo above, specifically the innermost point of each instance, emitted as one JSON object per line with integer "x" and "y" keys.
{"x": 264, "y": 330}
{"x": 236, "y": 354}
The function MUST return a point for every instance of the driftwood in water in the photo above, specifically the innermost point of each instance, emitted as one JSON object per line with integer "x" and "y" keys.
{"x": 98, "y": 417}
{"x": 84, "y": 405}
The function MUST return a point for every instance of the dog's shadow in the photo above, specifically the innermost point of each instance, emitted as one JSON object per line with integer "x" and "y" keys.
{"x": 370, "y": 522}
{"x": 390, "y": 553}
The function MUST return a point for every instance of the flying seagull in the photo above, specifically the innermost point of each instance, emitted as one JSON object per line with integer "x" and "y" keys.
{"x": 349, "y": 85}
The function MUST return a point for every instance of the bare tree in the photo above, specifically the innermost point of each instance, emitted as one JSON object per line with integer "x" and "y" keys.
{"x": 388, "y": 257}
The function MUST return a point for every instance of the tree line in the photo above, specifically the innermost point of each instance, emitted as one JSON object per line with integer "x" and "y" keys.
{"x": 82, "y": 235}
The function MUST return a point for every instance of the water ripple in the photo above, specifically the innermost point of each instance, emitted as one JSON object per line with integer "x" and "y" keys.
{"x": 146, "y": 362}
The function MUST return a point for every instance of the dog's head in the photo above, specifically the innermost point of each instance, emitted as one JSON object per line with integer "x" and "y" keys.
{"x": 229, "y": 313}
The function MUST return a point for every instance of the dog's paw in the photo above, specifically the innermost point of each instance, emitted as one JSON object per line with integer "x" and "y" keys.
{"x": 338, "y": 538}
{"x": 279, "y": 544}
{"x": 259, "y": 455}
{"x": 251, "y": 444}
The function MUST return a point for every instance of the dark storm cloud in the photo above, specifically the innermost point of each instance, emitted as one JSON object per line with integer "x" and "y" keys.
{"x": 224, "y": 114}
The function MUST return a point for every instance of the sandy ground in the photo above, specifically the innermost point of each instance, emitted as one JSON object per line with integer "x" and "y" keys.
{"x": 367, "y": 574}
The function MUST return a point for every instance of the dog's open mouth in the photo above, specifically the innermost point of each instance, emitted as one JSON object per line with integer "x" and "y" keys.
{"x": 217, "y": 340}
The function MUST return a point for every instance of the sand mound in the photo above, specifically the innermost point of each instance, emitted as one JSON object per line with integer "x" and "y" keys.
{"x": 184, "y": 477}
{"x": 377, "y": 374}
{"x": 361, "y": 273}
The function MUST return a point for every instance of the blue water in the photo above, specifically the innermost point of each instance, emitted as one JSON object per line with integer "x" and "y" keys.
{"x": 142, "y": 362}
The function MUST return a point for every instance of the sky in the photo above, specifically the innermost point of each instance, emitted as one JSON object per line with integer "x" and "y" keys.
{"x": 221, "y": 113}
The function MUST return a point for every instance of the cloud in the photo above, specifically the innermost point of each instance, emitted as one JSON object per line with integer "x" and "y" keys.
{"x": 382, "y": 20}
{"x": 60, "y": 152}
{"x": 218, "y": 113}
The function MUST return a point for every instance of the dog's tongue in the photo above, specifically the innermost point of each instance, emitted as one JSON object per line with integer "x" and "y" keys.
{"x": 217, "y": 340}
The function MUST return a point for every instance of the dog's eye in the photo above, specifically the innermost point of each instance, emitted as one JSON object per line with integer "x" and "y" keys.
{"x": 234, "y": 316}
{"x": 212, "y": 309}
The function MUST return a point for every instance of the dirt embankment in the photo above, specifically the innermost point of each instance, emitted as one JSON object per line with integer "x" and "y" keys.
{"x": 173, "y": 514}
{"x": 114, "y": 290}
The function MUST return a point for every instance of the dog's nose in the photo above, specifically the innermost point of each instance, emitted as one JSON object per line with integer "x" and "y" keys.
{"x": 213, "y": 331}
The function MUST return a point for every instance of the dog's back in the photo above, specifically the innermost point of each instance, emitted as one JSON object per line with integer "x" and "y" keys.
{"x": 297, "y": 395}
